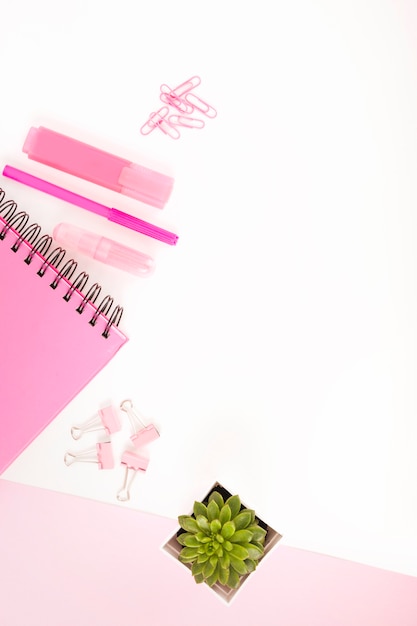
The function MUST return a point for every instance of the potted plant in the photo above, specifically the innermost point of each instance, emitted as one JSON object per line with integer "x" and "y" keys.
{"x": 221, "y": 541}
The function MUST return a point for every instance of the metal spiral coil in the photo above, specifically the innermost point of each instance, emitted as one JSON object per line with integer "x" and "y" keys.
{"x": 40, "y": 246}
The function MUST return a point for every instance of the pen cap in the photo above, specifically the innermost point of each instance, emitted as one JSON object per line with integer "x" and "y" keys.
{"x": 104, "y": 250}
{"x": 97, "y": 166}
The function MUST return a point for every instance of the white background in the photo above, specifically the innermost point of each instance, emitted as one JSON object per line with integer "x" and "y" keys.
{"x": 275, "y": 345}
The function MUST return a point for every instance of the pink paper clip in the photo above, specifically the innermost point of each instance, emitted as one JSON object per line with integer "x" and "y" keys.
{"x": 187, "y": 122}
{"x": 141, "y": 434}
{"x": 200, "y": 105}
{"x": 158, "y": 120}
{"x": 169, "y": 97}
{"x": 134, "y": 464}
{"x": 101, "y": 454}
{"x": 106, "y": 419}
{"x": 174, "y": 97}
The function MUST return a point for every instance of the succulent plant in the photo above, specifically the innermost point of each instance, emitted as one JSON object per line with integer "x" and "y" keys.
{"x": 222, "y": 541}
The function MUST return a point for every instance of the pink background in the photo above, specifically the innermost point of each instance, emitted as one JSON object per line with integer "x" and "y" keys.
{"x": 69, "y": 561}
{"x": 281, "y": 329}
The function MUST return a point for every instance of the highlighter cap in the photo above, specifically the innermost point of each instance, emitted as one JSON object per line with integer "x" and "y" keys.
{"x": 97, "y": 166}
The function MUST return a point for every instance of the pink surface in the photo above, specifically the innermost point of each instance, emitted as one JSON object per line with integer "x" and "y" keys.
{"x": 67, "y": 561}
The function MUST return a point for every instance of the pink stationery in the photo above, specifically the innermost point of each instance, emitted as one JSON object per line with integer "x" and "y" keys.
{"x": 97, "y": 166}
{"x": 57, "y": 332}
{"x": 113, "y": 215}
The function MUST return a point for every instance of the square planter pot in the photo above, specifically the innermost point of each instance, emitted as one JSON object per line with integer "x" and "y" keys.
{"x": 272, "y": 537}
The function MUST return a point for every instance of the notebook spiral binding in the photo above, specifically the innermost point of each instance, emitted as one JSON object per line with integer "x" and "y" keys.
{"x": 18, "y": 222}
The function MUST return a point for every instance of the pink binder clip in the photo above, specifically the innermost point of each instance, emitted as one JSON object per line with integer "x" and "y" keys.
{"x": 200, "y": 105}
{"x": 141, "y": 434}
{"x": 134, "y": 464}
{"x": 106, "y": 419}
{"x": 159, "y": 120}
{"x": 101, "y": 454}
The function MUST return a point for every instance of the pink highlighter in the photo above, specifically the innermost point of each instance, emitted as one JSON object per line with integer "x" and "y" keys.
{"x": 92, "y": 164}
{"x": 105, "y": 250}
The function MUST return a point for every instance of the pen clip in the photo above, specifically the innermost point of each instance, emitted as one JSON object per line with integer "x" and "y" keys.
{"x": 101, "y": 454}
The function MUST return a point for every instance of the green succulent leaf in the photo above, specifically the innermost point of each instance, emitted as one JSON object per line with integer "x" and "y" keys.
{"x": 219, "y": 538}
{"x": 184, "y": 559}
{"x": 181, "y": 538}
{"x": 217, "y": 497}
{"x": 190, "y": 541}
{"x": 234, "y": 579}
{"x": 255, "y": 552}
{"x": 213, "y": 578}
{"x": 188, "y": 523}
{"x": 213, "y": 511}
{"x": 228, "y": 545}
{"x": 225, "y": 561}
{"x": 258, "y": 544}
{"x": 209, "y": 568}
{"x": 202, "y": 537}
{"x": 189, "y": 553}
{"x": 200, "y": 509}
{"x": 238, "y": 552}
{"x": 235, "y": 505}
{"x": 258, "y": 533}
{"x": 202, "y": 524}
{"x": 225, "y": 514}
{"x": 197, "y": 568}
{"x": 202, "y": 558}
{"x": 228, "y": 530}
{"x": 241, "y": 536}
{"x": 223, "y": 574}
{"x": 238, "y": 565}
{"x": 250, "y": 565}
{"x": 215, "y": 526}
{"x": 199, "y": 578}
{"x": 243, "y": 520}
{"x": 219, "y": 551}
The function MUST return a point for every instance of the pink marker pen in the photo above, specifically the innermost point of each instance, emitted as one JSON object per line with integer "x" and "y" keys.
{"x": 92, "y": 164}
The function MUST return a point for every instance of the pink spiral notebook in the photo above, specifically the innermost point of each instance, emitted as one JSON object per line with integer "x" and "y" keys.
{"x": 58, "y": 332}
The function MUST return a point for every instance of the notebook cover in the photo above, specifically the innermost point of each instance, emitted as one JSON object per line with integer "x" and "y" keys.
{"x": 48, "y": 351}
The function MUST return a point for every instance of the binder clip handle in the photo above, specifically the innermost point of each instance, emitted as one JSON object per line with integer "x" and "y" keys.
{"x": 106, "y": 419}
{"x": 101, "y": 454}
{"x": 141, "y": 433}
{"x": 134, "y": 464}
